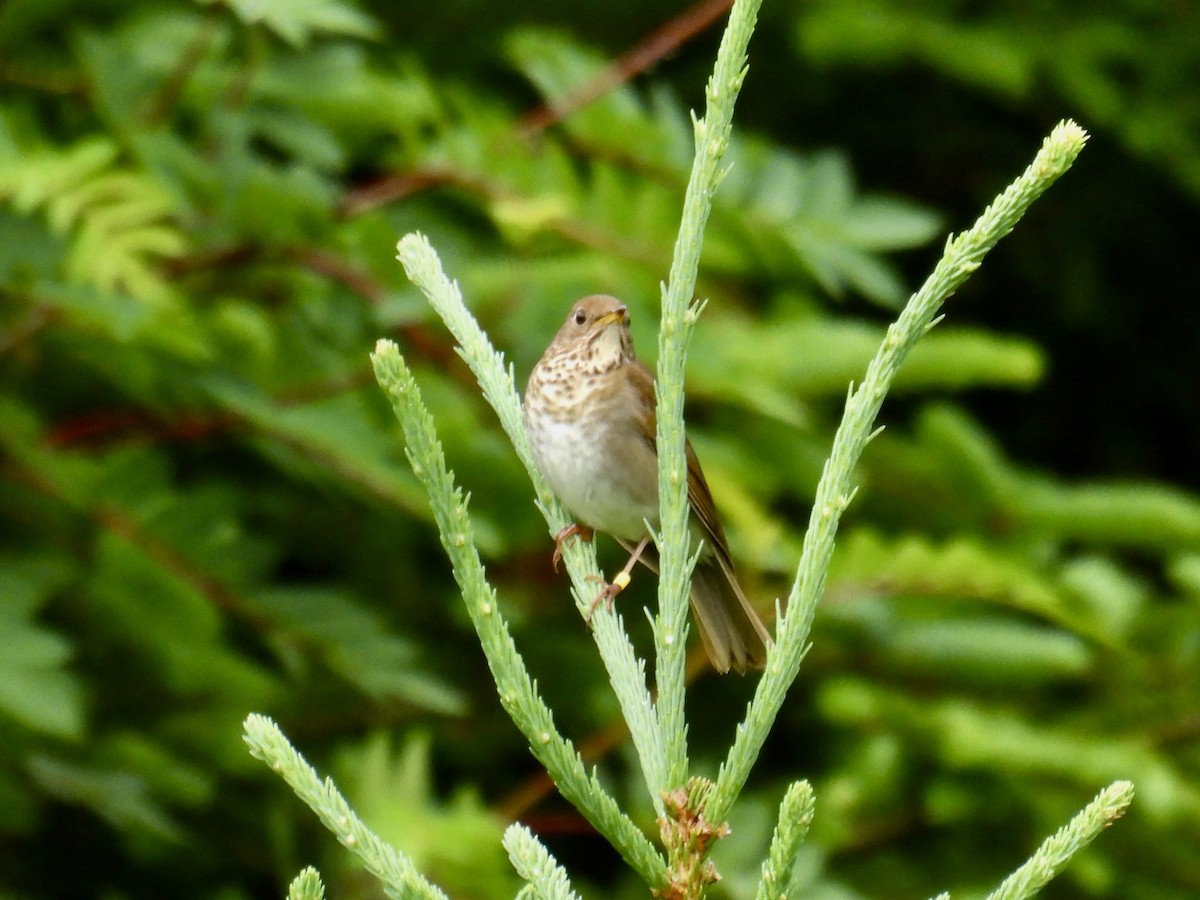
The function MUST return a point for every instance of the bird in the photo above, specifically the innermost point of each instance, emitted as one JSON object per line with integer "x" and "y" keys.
{"x": 591, "y": 418}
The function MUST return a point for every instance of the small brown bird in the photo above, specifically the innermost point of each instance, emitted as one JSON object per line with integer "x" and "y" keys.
{"x": 590, "y": 413}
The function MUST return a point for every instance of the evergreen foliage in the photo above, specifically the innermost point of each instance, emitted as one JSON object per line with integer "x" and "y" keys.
{"x": 206, "y": 510}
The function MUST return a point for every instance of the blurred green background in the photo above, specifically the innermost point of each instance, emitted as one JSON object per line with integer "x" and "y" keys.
{"x": 206, "y": 508}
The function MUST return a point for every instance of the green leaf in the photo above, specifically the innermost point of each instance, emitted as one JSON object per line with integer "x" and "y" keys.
{"x": 1129, "y": 515}
{"x": 119, "y": 220}
{"x": 457, "y": 842}
{"x": 770, "y": 364}
{"x": 37, "y": 689}
{"x": 118, "y": 796}
{"x": 988, "y": 55}
{"x": 989, "y": 650}
{"x": 960, "y": 569}
{"x": 355, "y": 643}
{"x": 805, "y": 212}
{"x": 337, "y": 435}
{"x": 298, "y": 21}
{"x": 1185, "y": 572}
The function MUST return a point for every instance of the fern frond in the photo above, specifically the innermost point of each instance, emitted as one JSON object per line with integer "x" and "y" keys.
{"x": 119, "y": 221}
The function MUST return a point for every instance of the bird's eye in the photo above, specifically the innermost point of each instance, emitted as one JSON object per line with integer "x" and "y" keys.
{"x": 580, "y": 317}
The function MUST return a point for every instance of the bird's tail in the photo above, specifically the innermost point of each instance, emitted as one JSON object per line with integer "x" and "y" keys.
{"x": 733, "y": 634}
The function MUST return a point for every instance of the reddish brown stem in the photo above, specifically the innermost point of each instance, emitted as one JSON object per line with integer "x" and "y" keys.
{"x": 663, "y": 41}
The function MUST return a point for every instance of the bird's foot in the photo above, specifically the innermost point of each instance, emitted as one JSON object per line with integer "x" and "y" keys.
{"x": 574, "y": 529}
{"x": 608, "y": 593}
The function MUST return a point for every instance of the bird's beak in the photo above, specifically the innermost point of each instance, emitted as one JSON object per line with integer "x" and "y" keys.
{"x": 617, "y": 317}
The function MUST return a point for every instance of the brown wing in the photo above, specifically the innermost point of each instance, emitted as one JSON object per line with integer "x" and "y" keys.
{"x": 730, "y": 629}
{"x": 704, "y": 510}
{"x": 641, "y": 384}
{"x": 703, "y": 507}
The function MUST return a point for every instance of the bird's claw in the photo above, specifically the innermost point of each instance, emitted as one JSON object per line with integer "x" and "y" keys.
{"x": 574, "y": 529}
{"x": 608, "y": 593}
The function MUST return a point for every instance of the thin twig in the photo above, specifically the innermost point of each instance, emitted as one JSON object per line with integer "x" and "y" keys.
{"x": 168, "y": 94}
{"x": 662, "y": 42}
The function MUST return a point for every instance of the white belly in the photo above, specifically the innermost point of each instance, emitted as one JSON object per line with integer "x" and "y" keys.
{"x": 611, "y": 490}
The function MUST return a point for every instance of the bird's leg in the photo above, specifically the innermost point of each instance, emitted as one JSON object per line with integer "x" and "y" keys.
{"x": 609, "y": 592}
{"x": 584, "y": 533}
